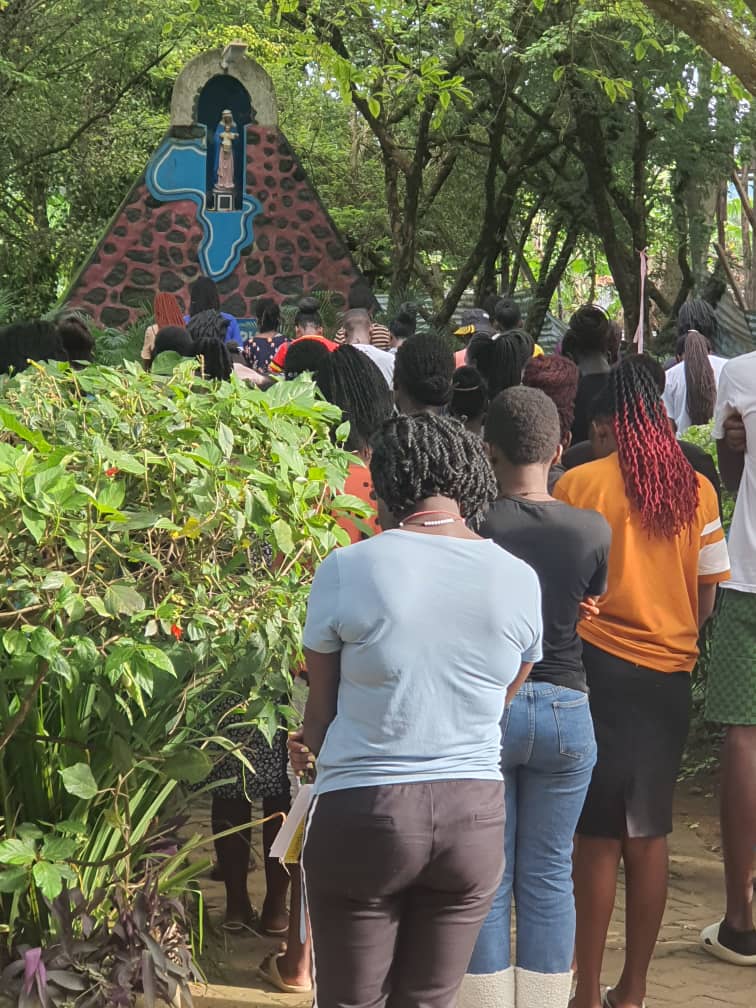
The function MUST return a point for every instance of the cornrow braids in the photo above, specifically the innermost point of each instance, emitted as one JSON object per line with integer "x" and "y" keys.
{"x": 423, "y": 368}
{"x": 659, "y": 481}
{"x": 352, "y": 381}
{"x": 700, "y": 384}
{"x": 427, "y": 455}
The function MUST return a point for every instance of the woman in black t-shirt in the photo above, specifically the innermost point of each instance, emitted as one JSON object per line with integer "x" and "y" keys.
{"x": 548, "y": 746}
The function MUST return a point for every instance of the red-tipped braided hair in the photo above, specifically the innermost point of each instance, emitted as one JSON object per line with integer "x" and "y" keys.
{"x": 659, "y": 481}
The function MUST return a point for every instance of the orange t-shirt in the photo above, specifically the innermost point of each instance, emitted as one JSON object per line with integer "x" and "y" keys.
{"x": 359, "y": 484}
{"x": 649, "y": 614}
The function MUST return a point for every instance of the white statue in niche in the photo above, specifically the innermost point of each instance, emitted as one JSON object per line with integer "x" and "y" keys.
{"x": 225, "y": 135}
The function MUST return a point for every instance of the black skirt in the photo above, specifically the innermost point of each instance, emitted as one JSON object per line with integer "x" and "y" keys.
{"x": 641, "y": 718}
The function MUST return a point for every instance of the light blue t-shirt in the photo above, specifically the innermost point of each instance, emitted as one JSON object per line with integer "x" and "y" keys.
{"x": 431, "y": 630}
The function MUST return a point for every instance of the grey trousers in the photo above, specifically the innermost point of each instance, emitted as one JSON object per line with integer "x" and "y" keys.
{"x": 399, "y": 880}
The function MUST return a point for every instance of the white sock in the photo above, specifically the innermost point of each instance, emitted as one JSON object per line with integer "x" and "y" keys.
{"x": 488, "y": 990}
{"x": 542, "y": 990}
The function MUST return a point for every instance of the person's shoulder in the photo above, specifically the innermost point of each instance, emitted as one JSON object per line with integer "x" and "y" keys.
{"x": 708, "y": 502}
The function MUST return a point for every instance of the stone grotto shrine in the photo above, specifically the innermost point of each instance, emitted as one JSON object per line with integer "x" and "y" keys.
{"x": 224, "y": 195}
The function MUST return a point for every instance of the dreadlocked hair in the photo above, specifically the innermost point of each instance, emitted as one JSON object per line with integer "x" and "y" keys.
{"x": 208, "y": 324}
{"x": 352, "y": 381}
{"x": 700, "y": 384}
{"x": 216, "y": 360}
{"x": 500, "y": 358}
{"x": 558, "y": 377}
{"x": 427, "y": 455}
{"x": 659, "y": 481}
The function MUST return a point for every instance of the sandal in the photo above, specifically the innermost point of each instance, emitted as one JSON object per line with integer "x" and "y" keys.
{"x": 729, "y": 945}
{"x": 268, "y": 971}
{"x": 608, "y": 1003}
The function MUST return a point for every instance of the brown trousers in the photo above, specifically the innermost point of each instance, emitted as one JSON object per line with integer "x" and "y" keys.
{"x": 399, "y": 880}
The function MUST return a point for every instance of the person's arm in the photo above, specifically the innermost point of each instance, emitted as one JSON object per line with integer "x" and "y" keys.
{"x": 525, "y": 669}
{"x": 324, "y": 672}
{"x": 731, "y": 452}
{"x": 707, "y": 594}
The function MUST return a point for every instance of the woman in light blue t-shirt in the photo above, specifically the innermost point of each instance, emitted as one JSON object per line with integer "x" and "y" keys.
{"x": 414, "y": 640}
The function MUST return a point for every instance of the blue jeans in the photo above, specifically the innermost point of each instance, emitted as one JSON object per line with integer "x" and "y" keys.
{"x": 548, "y": 753}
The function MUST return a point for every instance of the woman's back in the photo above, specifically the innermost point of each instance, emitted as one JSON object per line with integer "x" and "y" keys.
{"x": 568, "y": 548}
{"x": 432, "y": 630}
{"x": 649, "y": 614}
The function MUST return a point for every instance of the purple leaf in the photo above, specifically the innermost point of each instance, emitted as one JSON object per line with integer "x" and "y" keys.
{"x": 148, "y": 979}
{"x": 32, "y": 958}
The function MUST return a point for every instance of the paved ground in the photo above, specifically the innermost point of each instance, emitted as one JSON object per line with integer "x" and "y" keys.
{"x": 682, "y": 976}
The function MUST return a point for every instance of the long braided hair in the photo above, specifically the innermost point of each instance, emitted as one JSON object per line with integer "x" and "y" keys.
{"x": 501, "y": 358}
{"x": 427, "y": 455}
{"x": 700, "y": 384}
{"x": 659, "y": 481}
{"x": 352, "y": 381}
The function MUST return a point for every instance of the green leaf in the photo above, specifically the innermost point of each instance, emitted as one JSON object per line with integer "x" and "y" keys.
{"x": 283, "y": 536}
{"x": 43, "y": 643}
{"x": 459, "y": 37}
{"x": 58, "y": 848}
{"x": 13, "y": 880}
{"x": 123, "y": 600}
{"x": 17, "y": 852}
{"x": 71, "y": 826}
{"x": 157, "y": 658}
{"x": 374, "y": 106}
{"x": 189, "y": 765}
{"x": 79, "y": 781}
{"x": 34, "y": 438}
{"x": 35, "y": 523}
{"x": 15, "y": 642}
{"x": 123, "y": 757}
{"x": 48, "y": 878}
{"x": 226, "y": 440}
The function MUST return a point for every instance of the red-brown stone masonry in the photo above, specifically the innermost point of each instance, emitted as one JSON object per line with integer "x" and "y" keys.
{"x": 152, "y": 246}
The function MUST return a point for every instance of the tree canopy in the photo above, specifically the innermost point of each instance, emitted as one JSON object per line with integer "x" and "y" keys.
{"x": 517, "y": 144}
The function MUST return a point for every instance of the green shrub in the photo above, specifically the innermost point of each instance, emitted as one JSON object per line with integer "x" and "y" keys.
{"x": 157, "y": 536}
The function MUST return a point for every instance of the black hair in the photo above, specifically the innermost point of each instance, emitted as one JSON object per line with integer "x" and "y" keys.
{"x": 208, "y": 324}
{"x": 523, "y": 423}
{"x": 215, "y": 356}
{"x": 305, "y": 354}
{"x": 470, "y": 394}
{"x": 500, "y": 358}
{"x": 405, "y": 323}
{"x": 308, "y": 314}
{"x": 268, "y": 315}
{"x": 601, "y": 406}
{"x": 488, "y": 304}
{"x": 699, "y": 315}
{"x": 173, "y": 338}
{"x": 507, "y": 314}
{"x": 423, "y": 369}
{"x": 352, "y": 381}
{"x": 416, "y": 457}
{"x": 651, "y": 366}
{"x": 22, "y": 342}
{"x": 203, "y": 295}
{"x": 590, "y": 330}
{"x": 77, "y": 340}
{"x": 361, "y": 296}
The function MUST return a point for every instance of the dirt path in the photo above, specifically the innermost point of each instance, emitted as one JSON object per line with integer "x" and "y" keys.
{"x": 682, "y": 976}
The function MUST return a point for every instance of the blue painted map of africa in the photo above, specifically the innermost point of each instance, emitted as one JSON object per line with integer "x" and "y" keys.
{"x": 177, "y": 171}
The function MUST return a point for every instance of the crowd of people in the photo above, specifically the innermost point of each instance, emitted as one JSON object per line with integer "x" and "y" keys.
{"x": 499, "y": 665}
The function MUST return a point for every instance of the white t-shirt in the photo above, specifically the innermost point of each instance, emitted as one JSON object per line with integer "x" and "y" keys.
{"x": 431, "y": 630}
{"x": 676, "y": 391}
{"x": 382, "y": 358}
{"x": 737, "y": 394}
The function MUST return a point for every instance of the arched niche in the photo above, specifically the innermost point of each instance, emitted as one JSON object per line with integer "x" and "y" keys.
{"x": 219, "y": 93}
{"x": 229, "y": 62}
